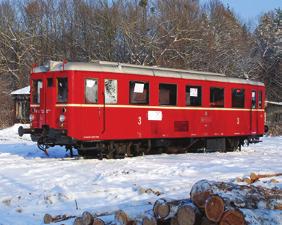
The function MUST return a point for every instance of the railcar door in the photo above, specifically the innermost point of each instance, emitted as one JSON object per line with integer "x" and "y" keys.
{"x": 38, "y": 99}
{"x": 50, "y": 101}
{"x": 253, "y": 113}
{"x": 92, "y": 114}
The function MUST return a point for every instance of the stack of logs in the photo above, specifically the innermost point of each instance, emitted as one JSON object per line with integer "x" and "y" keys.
{"x": 210, "y": 203}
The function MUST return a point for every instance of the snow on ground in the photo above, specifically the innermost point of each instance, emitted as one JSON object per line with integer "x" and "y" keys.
{"x": 32, "y": 184}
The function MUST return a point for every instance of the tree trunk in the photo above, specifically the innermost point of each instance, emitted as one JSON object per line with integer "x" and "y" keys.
{"x": 251, "y": 217}
{"x": 188, "y": 214}
{"x": 242, "y": 196}
{"x": 165, "y": 209}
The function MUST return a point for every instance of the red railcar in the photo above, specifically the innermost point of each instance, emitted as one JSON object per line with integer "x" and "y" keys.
{"x": 112, "y": 109}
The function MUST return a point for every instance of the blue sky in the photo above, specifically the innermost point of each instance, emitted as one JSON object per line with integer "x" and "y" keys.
{"x": 250, "y": 10}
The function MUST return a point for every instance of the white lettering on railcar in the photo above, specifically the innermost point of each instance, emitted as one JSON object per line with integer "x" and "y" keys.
{"x": 155, "y": 115}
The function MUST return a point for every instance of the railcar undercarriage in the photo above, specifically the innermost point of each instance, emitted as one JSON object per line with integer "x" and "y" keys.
{"x": 47, "y": 138}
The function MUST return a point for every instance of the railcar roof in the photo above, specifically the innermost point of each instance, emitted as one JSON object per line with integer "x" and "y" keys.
{"x": 114, "y": 67}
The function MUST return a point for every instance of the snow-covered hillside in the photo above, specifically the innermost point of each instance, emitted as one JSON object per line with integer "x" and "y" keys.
{"x": 32, "y": 184}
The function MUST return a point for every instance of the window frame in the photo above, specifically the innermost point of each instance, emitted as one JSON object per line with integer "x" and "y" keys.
{"x": 244, "y": 98}
{"x": 130, "y": 93}
{"x": 253, "y": 103}
{"x": 35, "y": 91}
{"x": 260, "y": 103}
{"x": 199, "y": 87}
{"x": 223, "y": 102}
{"x": 176, "y": 94}
{"x": 85, "y": 86}
{"x": 105, "y": 91}
{"x": 57, "y": 90}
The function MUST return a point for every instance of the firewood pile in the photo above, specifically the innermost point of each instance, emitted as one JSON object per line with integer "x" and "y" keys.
{"x": 209, "y": 203}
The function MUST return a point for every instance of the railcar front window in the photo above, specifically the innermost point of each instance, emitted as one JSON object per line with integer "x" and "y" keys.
{"x": 216, "y": 97}
{"x": 260, "y": 99}
{"x": 139, "y": 92}
{"x": 37, "y": 85}
{"x": 91, "y": 91}
{"x": 254, "y": 99}
{"x": 193, "y": 95}
{"x": 110, "y": 91}
{"x": 62, "y": 90}
{"x": 238, "y": 98}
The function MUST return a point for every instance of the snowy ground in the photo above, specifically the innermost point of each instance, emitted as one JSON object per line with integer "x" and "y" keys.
{"x": 32, "y": 184}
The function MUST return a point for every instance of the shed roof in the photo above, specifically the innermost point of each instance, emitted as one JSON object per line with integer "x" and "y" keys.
{"x": 22, "y": 91}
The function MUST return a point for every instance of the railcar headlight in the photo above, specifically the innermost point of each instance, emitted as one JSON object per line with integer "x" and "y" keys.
{"x": 62, "y": 118}
{"x": 31, "y": 117}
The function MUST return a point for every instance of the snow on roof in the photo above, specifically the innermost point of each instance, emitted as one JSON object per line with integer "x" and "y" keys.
{"x": 22, "y": 91}
{"x": 274, "y": 103}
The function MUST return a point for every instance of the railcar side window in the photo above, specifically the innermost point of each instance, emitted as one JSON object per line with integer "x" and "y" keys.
{"x": 216, "y": 97}
{"x": 254, "y": 99}
{"x": 110, "y": 91}
{"x": 91, "y": 91}
{"x": 167, "y": 94}
{"x": 37, "y": 85}
{"x": 260, "y": 99}
{"x": 139, "y": 92}
{"x": 193, "y": 95}
{"x": 238, "y": 98}
{"x": 62, "y": 90}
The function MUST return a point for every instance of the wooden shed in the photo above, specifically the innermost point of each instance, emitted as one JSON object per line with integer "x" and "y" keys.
{"x": 21, "y": 104}
{"x": 274, "y": 117}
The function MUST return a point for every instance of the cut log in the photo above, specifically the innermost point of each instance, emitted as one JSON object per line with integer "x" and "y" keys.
{"x": 173, "y": 221}
{"x": 98, "y": 221}
{"x": 188, "y": 214}
{"x": 206, "y": 221}
{"x": 54, "y": 219}
{"x": 242, "y": 196}
{"x": 251, "y": 217}
{"x": 122, "y": 218}
{"x": 87, "y": 218}
{"x": 214, "y": 208}
{"x": 78, "y": 221}
{"x": 255, "y": 177}
{"x": 47, "y": 219}
{"x": 146, "y": 220}
{"x": 165, "y": 209}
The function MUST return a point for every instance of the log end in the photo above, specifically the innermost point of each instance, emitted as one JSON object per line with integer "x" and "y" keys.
{"x": 149, "y": 221}
{"x": 173, "y": 221}
{"x": 199, "y": 199}
{"x": 206, "y": 221}
{"x": 78, "y": 221}
{"x": 234, "y": 217}
{"x": 161, "y": 209}
{"x": 47, "y": 219}
{"x": 87, "y": 218}
{"x": 121, "y": 217}
{"x": 214, "y": 208}
{"x": 97, "y": 221}
{"x": 186, "y": 215}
